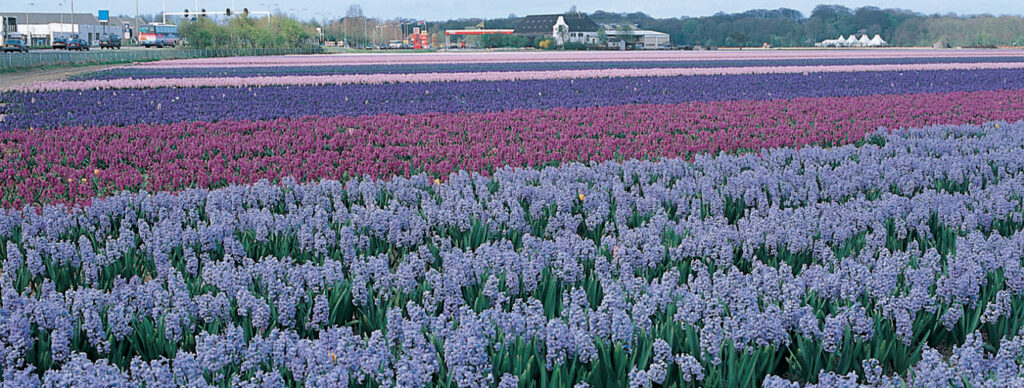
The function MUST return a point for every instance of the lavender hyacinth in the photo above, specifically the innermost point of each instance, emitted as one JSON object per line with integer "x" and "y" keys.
{"x": 837, "y": 266}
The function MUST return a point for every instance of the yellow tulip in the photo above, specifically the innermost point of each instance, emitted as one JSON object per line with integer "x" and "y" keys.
{"x": 581, "y": 196}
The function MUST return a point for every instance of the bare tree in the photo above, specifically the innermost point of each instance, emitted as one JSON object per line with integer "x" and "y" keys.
{"x": 354, "y": 11}
{"x": 563, "y": 35}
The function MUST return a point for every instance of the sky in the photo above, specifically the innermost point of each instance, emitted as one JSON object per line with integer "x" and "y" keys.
{"x": 453, "y": 9}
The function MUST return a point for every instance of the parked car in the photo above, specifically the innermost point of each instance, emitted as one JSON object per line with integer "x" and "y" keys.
{"x": 15, "y": 44}
{"x": 59, "y": 44}
{"x": 110, "y": 41}
{"x": 78, "y": 44}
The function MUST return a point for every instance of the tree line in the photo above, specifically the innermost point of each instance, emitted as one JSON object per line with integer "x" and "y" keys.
{"x": 242, "y": 31}
{"x": 781, "y": 27}
{"x": 785, "y": 27}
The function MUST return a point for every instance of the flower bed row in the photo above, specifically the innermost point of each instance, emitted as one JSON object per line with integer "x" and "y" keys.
{"x": 378, "y": 78}
{"x": 171, "y": 105}
{"x": 146, "y": 72}
{"x": 568, "y": 56}
{"x": 896, "y": 262}
{"x": 74, "y": 164}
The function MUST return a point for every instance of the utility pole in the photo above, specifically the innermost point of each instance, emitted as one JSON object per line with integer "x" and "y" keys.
{"x": 73, "y": 17}
{"x": 28, "y": 31}
{"x": 134, "y": 31}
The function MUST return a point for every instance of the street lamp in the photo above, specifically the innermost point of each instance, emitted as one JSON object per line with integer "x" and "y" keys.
{"x": 28, "y": 27}
{"x": 379, "y": 36}
{"x": 61, "y": 5}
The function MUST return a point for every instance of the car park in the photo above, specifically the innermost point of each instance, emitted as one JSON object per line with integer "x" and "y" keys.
{"x": 78, "y": 44}
{"x": 15, "y": 43}
{"x": 111, "y": 41}
{"x": 59, "y": 44}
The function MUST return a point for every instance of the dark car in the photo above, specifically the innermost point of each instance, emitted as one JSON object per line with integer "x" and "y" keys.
{"x": 16, "y": 45}
{"x": 110, "y": 41}
{"x": 59, "y": 43}
{"x": 78, "y": 44}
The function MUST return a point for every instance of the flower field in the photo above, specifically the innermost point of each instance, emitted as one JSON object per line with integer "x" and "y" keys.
{"x": 820, "y": 227}
{"x": 141, "y": 72}
{"x": 95, "y": 107}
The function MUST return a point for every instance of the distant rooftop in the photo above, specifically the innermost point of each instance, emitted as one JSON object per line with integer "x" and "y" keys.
{"x": 47, "y": 18}
{"x": 543, "y": 24}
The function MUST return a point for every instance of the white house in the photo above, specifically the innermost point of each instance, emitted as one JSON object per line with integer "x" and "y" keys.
{"x": 570, "y": 27}
{"x": 644, "y": 39}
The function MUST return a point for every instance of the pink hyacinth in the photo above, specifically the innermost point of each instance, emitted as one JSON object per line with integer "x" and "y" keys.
{"x": 45, "y": 166}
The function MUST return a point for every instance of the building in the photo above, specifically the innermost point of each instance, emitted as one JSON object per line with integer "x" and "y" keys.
{"x": 569, "y": 27}
{"x": 637, "y": 39}
{"x": 42, "y": 28}
{"x": 465, "y": 33}
{"x": 852, "y": 41}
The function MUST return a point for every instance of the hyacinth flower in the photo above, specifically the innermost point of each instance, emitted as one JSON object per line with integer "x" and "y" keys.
{"x": 177, "y": 72}
{"x": 845, "y": 265}
{"x": 265, "y": 99}
{"x": 374, "y": 78}
{"x": 48, "y": 166}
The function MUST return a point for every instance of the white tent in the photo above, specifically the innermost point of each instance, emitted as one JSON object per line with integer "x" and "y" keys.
{"x": 853, "y": 41}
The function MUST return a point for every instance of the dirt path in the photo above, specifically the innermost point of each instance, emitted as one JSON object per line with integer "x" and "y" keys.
{"x": 22, "y": 77}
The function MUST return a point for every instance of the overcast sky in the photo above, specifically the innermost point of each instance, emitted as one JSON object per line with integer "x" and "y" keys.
{"x": 450, "y": 9}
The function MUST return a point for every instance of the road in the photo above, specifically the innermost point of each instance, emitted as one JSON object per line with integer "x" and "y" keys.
{"x": 50, "y": 57}
{"x": 21, "y": 77}
{"x": 93, "y": 48}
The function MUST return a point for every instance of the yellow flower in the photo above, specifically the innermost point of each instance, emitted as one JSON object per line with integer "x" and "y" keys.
{"x": 334, "y": 357}
{"x": 83, "y": 180}
{"x": 997, "y": 125}
{"x": 437, "y": 181}
{"x": 96, "y": 172}
{"x": 70, "y": 180}
{"x": 581, "y": 196}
